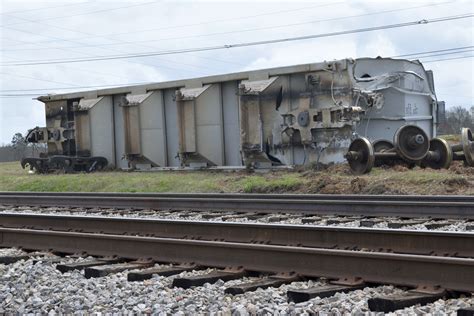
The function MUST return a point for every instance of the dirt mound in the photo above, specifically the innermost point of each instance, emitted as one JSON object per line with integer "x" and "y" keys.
{"x": 458, "y": 167}
{"x": 456, "y": 182}
{"x": 358, "y": 184}
{"x": 381, "y": 188}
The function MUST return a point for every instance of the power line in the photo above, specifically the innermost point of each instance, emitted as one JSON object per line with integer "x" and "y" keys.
{"x": 121, "y": 42}
{"x": 433, "y": 51}
{"x": 25, "y": 95}
{"x": 453, "y": 58}
{"x": 227, "y": 32}
{"x": 141, "y": 83}
{"x": 443, "y": 54}
{"x": 79, "y": 87}
{"x": 213, "y": 21}
{"x": 186, "y": 69}
{"x": 86, "y": 13}
{"x": 76, "y": 68}
{"x": 109, "y": 49}
{"x": 173, "y": 61}
{"x": 44, "y": 8}
{"x": 40, "y": 79}
{"x": 95, "y": 56}
{"x": 92, "y": 55}
{"x": 247, "y": 44}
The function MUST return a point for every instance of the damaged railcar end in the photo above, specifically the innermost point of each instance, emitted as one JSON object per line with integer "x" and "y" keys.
{"x": 296, "y": 115}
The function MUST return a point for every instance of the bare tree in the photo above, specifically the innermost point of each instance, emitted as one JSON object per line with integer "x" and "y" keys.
{"x": 457, "y": 118}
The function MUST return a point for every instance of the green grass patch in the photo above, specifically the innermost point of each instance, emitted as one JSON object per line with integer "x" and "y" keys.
{"x": 260, "y": 184}
{"x": 13, "y": 178}
{"x": 334, "y": 180}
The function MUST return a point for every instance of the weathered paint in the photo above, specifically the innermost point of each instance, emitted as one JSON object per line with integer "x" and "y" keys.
{"x": 290, "y": 115}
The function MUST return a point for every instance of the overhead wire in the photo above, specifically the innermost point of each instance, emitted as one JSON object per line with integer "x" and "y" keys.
{"x": 79, "y": 87}
{"x": 417, "y": 55}
{"x": 237, "y": 31}
{"x": 230, "y": 32}
{"x": 121, "y": 42}
{"x": 443, "y": 54}
{"x": 452, "y": 58}
{"x": 82, "y": 52}
{"x": 141, "y": 83}
{"x": 44, "y": 8}
{"x": 236, "y": 45}
{"x": 92, "y": 55}
{"x": 335, "y": 18}
{"x": 40, "y": 79}
{"x": 433, "y": 51}
{"x": 89, "y": 71}
{"x": 153, "y": 65}
{"x": 217, "y": 20}
{"x": 87, "y": 13}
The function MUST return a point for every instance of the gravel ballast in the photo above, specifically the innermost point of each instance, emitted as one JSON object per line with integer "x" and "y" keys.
{"x": 26, "y": 287}
{"x": 277, "y": 218}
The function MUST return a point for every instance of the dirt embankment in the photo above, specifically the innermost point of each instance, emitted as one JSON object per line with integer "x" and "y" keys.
{"x": 338, "y": 179}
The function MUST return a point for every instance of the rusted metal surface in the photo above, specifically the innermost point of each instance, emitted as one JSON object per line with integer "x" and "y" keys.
{"x": 272, "y": 196}
{"x": 405, "y": 206}
{"x": 446, "y": 272}
{"x": 405, "y": 241}
{"x": 293, "y": 115}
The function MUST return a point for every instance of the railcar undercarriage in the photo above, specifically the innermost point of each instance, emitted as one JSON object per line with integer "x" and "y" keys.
{"x": 64, "y": 164}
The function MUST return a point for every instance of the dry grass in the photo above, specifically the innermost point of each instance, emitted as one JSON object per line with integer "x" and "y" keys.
{"x": 336, "y": 179}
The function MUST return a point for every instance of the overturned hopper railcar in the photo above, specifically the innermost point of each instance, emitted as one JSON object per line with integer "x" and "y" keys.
{"x": 296, "y": 115}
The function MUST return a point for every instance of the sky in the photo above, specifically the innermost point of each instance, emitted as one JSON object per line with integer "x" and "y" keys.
{"x": 32, "y": 31}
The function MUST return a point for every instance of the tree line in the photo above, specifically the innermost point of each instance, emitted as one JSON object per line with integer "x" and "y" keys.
{"x": 18, "y": 149}
{"x": 455, "y": 119}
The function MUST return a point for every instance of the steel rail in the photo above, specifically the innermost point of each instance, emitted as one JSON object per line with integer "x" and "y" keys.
{"x": 394, "y": 240}
{"x": 314, "y": 197}
{"x": 403, "y": 269}
{"x": 419, "y": 206}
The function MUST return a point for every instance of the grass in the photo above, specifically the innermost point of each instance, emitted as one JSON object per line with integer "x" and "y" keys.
{"x": 259, "y": 184}
{"x": 13, "y": 178}
{"x": 336, "y": 179}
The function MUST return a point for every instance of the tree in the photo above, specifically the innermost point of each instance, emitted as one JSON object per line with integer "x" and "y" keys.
{"x": 19, "y": 145}
{"x": 457, "y": 118}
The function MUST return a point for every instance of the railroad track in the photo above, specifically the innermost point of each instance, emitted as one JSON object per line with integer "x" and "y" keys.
{"x": 441, "y": 243}
{"x": 369, "y": 205}
{"x": 432, "y": 263}
{"x": 350, "y": 257}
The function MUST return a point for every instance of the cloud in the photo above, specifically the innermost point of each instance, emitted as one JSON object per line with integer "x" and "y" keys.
{"x": 377, "y": 45}
{"x": 305, "y": 52}
{"x": 162, "y": 26}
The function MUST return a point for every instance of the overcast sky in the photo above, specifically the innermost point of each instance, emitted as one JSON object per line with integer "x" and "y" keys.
{"x": 42, "y": 30}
